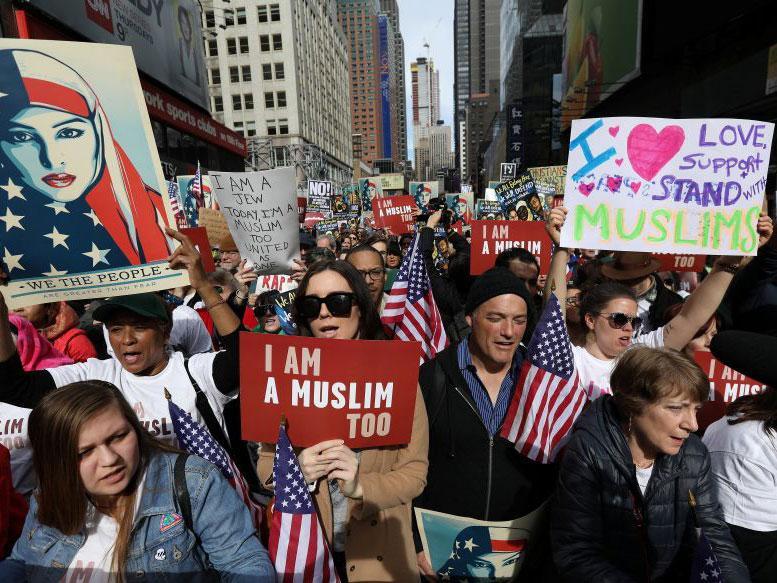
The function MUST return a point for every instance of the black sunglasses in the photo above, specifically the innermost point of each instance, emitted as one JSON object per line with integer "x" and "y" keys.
{"x": 618, "y": 320}
{"x": 263, "y": 310}
{"x": 339, "y": 305}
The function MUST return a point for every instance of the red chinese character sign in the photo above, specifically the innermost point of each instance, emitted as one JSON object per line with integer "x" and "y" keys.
{"x": 82, "y": 195}
{"x": 328, "y": 389}
{"x": 726, "y": 386}
{"x": 490, "y": 238}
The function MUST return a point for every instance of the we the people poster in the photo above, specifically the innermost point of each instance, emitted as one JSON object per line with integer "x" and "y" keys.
{"x": 83, "y": 199}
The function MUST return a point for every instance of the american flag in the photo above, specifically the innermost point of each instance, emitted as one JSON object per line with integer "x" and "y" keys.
{"x": 175, "y": 205}
{"x": 410, "y": 309}
{"x": 548, "y": 397}
{"x": 198, "y": 441}
{"x": 705, "y": 566}
{"x": 297, "y": 544}
{"x": 197, "y": 185}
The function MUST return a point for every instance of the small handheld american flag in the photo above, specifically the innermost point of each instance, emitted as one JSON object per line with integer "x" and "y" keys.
{"x": 548, "y": 397}
{"x": 297, "y": 544}
{"x": 198, "y": 441}
{"x": 410, "y": 310}
{"x": 175, "y": 205}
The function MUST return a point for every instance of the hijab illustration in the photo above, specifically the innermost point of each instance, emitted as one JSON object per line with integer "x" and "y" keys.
{"x": 73, "y": 193}
{"x": 483, "y": 553}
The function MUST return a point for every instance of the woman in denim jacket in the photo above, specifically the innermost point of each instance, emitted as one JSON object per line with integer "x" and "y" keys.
{"x": 108, "y": 508}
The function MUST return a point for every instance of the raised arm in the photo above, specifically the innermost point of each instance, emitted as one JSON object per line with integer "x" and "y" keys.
{"x": 557, "y": 278}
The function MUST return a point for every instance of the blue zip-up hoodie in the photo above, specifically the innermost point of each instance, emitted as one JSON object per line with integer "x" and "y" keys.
{"x": 225, "y": 539}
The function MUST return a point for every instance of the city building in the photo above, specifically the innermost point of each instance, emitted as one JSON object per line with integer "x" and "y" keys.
{"x": 177, "y": 101}
{"x": 359, "y": 21}
{"x": 278, "y": 73}
{"x": 425, "y": 84}
{"x": 391, "y": 9}
{"x": 481, "y": 111}
{"x": 439, "y": 148}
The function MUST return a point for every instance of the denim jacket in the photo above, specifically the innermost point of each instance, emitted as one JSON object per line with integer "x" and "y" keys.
{"x": 161, "y": 548}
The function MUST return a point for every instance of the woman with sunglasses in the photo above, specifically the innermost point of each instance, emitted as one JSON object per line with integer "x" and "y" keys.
{"x": 608, "y": 312}
{"x": 264, "y": 310}
{"x": 363, "y": 497}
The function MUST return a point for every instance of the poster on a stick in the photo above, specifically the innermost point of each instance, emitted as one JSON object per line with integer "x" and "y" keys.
{"x": 690, "y": 186}
{"x": 320, "y": 196}
{"x": 327, "y": 389}
{"x": 262, "y": 215}
{"x": 490, "y": 238}
{"x": 83, "y": 200}
{"x": 519, "y": 199}
{"x": 395, "y": 213}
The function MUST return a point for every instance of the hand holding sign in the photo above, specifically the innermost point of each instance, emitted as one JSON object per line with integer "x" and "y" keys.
{"x": 554, "y": 222}
{"x": 187, "y": 257}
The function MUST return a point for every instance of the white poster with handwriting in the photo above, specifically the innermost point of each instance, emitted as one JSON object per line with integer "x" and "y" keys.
{"x": 262, "y": 215}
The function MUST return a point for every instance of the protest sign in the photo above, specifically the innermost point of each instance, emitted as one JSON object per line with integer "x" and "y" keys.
{"x": 329, "y": 226}
{"x": 549, "y": 181}
{"x": 199, "y": 237}
{"x": 507, "y": 171}
{"x": 90, "y": 223}
{"x": 280, "y": 282}
{"x": 460, "y": 548}
{"x": 192, "y": 199}
{"x": 423, "y": 192}
{"x": 519, "y": 199}
{"x": 302, "y": 207}
{"x": 461, "y": 206}
{"x": 493, "y": 184}
{"x": 214, "y": 224}
{"x": 667, "y": 185}
{"x": 679, "y": 263}
{"x": 726, "y": 386}
{"x": 312, "y": 218}
{"x": 319, "y": 196}
{"x": 395, "y": 213}
{"x": 369, "y": 189}
{"x": 391, "y": 181}
{"x": 488, "y": 210}
{"x": 262, "y": 215}
{"x": 327, "y": 389}
{"x": 490, "y": 238}
{"x": 346, "y": 204}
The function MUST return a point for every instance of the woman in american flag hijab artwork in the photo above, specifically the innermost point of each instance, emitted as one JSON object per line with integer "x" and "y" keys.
{"x": 71, "y": 198}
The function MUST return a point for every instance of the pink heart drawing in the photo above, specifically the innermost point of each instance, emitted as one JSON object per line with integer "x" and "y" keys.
{"x": 614, "y": 130}
{"x": 649, "y": 151}
{"x": 614, "y": 183}
{"x": 585, "y": 188}
{"x": 619, "y": 161}
{"x": 635, "y": 186}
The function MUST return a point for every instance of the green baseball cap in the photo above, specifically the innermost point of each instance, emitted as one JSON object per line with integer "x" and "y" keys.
{"x": 149, "y": 305}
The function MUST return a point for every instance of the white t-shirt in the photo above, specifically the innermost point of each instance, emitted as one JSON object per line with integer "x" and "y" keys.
{"x": 594, "y": 373}
{"x": 92, "y": 562}
{"x": 13, "y": 435}
{"x": 643, "y": 477}
{"x": 145, "y": 394}
{"x": 188, "y": 335}
{"x": 744, "y": 466}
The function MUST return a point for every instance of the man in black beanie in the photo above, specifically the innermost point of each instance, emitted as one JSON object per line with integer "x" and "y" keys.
{"x": 467, "y": 388}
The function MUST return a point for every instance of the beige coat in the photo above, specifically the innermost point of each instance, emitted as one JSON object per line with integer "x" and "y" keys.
{"x": 379, "y": 539}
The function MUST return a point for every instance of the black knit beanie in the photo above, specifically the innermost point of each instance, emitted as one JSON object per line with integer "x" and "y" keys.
{"x": 496, "y": 281}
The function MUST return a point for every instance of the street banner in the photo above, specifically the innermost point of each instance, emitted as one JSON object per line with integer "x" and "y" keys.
{"x": 423, "y": 192}
{"x": 193, "y": 199}
{"x": 680, "y": 263}
{"x": 262, "y": 215}
{"x": 519, "y": 199}
{"x": 465, "y": 549}
{"x": 726, "y": 386}
{"x": 549, "y": 182}
{"x": 90, "y": 223}
{"x": 507, "y": 171}
{"x": 319, "y": 196}
{"x": 199, "y": 237}
{"x": 490, "y": 238}
{"x": 328, "y": 389}
{"x": 666, "y": 185}
{"x": 369, "y": 189}
{"x": 395, "y": 213}
{"x": 488, "y": 210}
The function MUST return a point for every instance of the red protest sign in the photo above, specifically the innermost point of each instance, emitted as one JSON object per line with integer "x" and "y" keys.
{"x": 674, "y": 262}
{"x": 395, "y": 213}
{"x": 302, "y": 205}
{"x": 726, "y": 386}
{"x": 312, "y": 217}
{"x": 199, "y": 237}
{"x": 327, "y": 389}
{"x": 490, "y": 238}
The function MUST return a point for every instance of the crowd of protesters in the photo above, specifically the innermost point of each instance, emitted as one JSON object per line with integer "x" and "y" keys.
{"x": 93, "y": 468}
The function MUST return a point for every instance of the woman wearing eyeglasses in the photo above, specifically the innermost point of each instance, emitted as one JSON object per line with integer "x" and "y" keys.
{"x": 608, "y": 312}
{"x": 363, "y": 497}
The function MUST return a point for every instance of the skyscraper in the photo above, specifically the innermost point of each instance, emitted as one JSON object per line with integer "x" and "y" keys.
{"x": 425, "y": 82}
{"x": 390, "y": 8}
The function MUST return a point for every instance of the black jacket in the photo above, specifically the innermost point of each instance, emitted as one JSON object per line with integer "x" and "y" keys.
{"x": 595, "y": 520}
{"x": 470, "y": 473}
